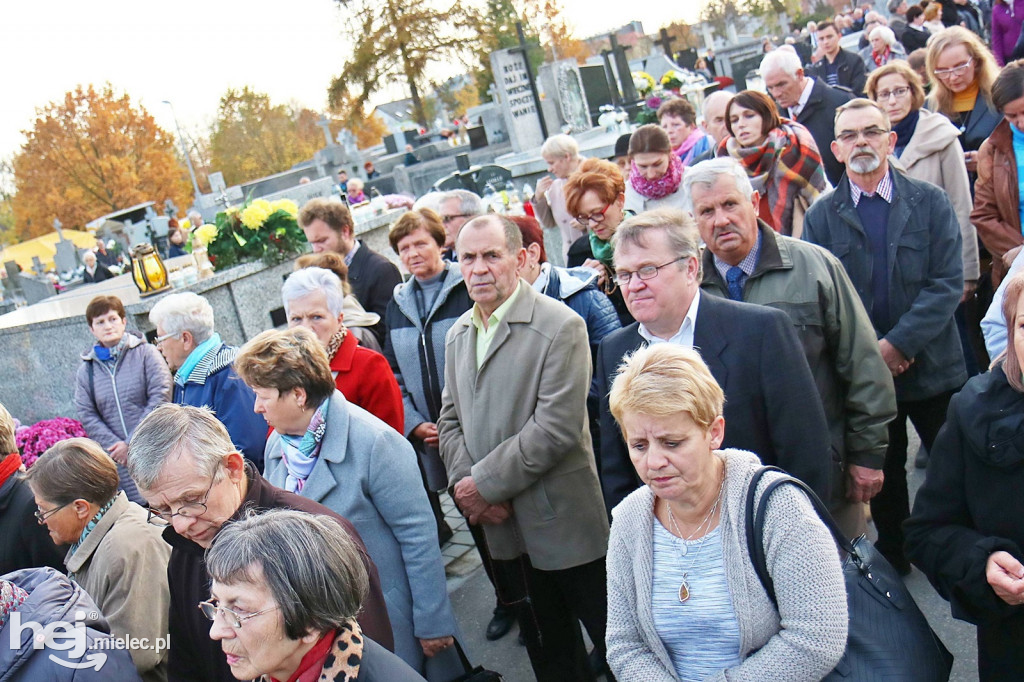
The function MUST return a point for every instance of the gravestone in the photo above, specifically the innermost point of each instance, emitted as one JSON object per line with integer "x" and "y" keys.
{"x": 596, "y": 88}
{"x": 517, "y": 101}
{"x": 66, "y": 257}
{"x": 565, "y": 106}
{"x": 489, "y": 115}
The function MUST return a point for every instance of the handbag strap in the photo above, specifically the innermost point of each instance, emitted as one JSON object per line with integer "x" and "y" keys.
{"x": 755, "y": 522}
{"x": 466, "y": 665}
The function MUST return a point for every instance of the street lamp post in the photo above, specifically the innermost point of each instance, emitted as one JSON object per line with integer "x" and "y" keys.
{"x": 184, "y": 150}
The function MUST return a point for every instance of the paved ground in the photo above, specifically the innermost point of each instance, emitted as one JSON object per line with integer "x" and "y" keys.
{"x": 473, "y": 599}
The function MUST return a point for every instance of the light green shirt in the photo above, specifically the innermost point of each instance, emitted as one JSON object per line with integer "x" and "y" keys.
{"x": 485, "y": 336}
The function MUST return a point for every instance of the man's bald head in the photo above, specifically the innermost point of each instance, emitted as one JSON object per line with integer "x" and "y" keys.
{"x": 713, "y": 114}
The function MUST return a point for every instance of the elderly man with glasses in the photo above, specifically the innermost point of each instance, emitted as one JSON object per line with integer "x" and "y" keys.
{"x": 772, "y": 406}
{"x": 203, "y": 373}
{"x": 899, "y": 240}
{"x": 195, "y": 482}
{"x": 457, "y": 207}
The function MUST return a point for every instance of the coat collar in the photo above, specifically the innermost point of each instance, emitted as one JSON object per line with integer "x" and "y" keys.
{"x": 405, "y": 297}
{"x": 774, "y": 256}
{"x": 74, "y": 562}
{"x": 321, "y": 480}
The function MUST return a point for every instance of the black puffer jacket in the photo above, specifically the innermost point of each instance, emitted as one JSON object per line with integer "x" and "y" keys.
{"x": 971, "y": 506}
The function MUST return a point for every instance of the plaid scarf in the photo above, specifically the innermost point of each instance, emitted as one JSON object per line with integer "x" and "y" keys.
{"x": 301, "y": 452}
{"x": 786, "y": 165}
{"x": 663, "y": 186}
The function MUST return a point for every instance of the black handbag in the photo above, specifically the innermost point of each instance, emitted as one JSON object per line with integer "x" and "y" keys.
{"x": 477, "y": 674}
{"x": 889, "y": 638}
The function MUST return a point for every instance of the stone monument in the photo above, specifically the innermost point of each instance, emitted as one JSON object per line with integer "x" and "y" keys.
{"x": 517, "y": 102}
{"x": 565, "y": 104}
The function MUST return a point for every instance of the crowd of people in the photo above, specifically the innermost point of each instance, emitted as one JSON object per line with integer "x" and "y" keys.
{"x": 782, "y": 278}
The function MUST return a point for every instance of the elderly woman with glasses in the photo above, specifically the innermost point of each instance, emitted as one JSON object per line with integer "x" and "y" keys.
{"x": 118, "y": 558}
{"x": 927, "y": 148}
{"x": 962, "y": 71}
{"x": 286, "y": 589}
{"x": 684, "y": 600}
{"x": 596, "y": 195}
{"x": 121, "y": 380}
{"x": 335, "y": 453}
{"x": 314, "y": 298}
{"x": 965, "y": 532}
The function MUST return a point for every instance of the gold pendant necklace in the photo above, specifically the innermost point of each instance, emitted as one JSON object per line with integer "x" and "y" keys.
{"x": 684, "y": 585}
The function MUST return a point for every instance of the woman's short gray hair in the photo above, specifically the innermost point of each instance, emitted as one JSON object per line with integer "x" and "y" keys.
{"x": 171, "y": 431}
{"x": 559, "y": 145}
{"x": 679, "y": 228}
{"x": 706, "y": 174}
{"x": 311, "y": 566}
{"x": 786, "y": 61}
{"x": 885, "y": 33}
{"x": 184, "y": 312}
{"x": 309, "y": 280}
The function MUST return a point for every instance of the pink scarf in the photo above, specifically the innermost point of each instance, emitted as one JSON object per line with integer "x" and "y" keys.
{"x": 683, "y": 150}
{"x": 663, "y": 186}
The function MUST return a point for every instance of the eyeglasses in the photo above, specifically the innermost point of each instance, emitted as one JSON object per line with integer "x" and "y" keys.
{"x": 187, "y": 510}
{"x": 954, "y": 71}
{"x": 160, "y": 339}
{"x": 449, "y": 218}
{"x": 593, "y": 217}
{"x": 872, "y": 134}
{"x": 898, "y": 93}
{"x": 645, "y": 273}
{"x": 211, "y": 608}
{"x": 41, "y": 516}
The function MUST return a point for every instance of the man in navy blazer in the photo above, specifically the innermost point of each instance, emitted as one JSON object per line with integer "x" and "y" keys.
{"x": 772, "y": 406}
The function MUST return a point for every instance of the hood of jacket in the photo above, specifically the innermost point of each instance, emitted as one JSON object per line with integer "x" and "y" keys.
{"x": 991, "y": 414}
{"x": 134, "y": 339}
{"x": 356, "y": 315}
{"x": 933, "y": 133}
{"x": 569, "y": 281}
{"x": 52, "y": 598}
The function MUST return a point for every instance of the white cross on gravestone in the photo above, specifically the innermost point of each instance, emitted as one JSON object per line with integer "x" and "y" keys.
{"x": 325, "y": 125}
{"x": 493, "y": 93}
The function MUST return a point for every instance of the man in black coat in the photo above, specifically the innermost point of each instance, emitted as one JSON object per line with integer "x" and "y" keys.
{"x": 772, "y": 406}
{"x": 197, "y": 493}
{"x": 809, "y": 101}
{"x": 329, "y": 227}
{"x": 837, "y": 66}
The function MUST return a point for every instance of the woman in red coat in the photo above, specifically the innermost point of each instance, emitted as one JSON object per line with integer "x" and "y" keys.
{"x": 314, "y": 298}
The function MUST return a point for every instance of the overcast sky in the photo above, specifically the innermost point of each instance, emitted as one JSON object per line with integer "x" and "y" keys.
{"x": 190, "y": 51}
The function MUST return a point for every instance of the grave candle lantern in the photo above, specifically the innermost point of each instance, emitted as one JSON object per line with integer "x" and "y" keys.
{"x": 148, "y": 271}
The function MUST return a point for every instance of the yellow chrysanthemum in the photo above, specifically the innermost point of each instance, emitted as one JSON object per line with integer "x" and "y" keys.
{"x": 256, "y": 213}
{"x": 286, "y": 205}
{"x": 205, "y": 234}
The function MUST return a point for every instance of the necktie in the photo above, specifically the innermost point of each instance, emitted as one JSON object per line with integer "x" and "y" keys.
{"x": 734, "y": 277}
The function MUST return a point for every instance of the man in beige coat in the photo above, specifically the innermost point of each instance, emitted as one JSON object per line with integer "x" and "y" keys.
{"x": 514, "y": 438}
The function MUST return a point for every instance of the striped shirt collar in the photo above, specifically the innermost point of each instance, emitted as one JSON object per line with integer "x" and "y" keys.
{"x": 883, "y": 190}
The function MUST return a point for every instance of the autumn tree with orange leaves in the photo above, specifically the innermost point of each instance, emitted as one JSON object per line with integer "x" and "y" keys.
{"x": 92, "y": 153}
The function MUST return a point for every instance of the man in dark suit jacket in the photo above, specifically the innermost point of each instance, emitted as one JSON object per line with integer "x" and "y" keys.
{"x": 837, "y": 66}
{"x": 329, "y": 227}
{"x": 772, "y": 406}
{"x": 806, "y": 100}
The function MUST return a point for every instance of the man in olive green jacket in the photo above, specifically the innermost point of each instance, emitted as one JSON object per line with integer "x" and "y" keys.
{"x": 746, "y": 260}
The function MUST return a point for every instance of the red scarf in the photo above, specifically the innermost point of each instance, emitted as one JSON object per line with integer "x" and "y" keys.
{"x": 313, "y": 662}
{"x": 8, "y": 466}
{"x": 785, "y": 166}
{"x": 882, "y": 58}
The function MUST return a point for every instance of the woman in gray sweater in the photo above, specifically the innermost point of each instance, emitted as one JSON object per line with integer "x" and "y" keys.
{"x": 684, "y": 602}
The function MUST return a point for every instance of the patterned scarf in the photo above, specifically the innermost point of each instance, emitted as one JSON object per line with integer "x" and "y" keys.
{"x": 11, "y": 597}
{"x": 335, "y": 658}
{"x": 786, "y": 165}
{"x": 663, "y": 186}
{"x": 92, "y": 524}
{"x": 882, "y": 58}
{"x": 301, "y": 452}
{"x": 335, "y": 343}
